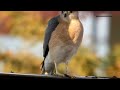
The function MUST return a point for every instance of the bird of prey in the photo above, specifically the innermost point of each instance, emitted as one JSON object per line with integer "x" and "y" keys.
{"x": 62, "y": 39}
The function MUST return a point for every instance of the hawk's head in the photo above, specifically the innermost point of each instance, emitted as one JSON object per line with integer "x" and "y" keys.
{"x": 69, "y": 15}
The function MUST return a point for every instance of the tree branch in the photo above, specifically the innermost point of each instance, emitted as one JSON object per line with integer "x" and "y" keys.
{"x": 37, "y": 76}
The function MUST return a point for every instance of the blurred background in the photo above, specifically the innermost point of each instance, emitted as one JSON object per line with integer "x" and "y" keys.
{"x": 22, "y": 34}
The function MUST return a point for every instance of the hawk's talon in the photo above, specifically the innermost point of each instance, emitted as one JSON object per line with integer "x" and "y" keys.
{"x": 69, "y": 76}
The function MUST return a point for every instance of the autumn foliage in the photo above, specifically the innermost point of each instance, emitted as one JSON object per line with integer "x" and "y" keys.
{"x": 30, "y": 25}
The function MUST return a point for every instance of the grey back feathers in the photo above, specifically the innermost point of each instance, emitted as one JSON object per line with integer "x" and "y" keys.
{"x": 52, "y": 24}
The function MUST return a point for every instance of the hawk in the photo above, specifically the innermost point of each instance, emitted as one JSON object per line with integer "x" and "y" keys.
{"x": 62, "y": 39}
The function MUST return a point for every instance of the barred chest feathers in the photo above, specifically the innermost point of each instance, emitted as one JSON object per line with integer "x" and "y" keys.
{"x": 67, "y": 34}
{"x": 75, "y": 31}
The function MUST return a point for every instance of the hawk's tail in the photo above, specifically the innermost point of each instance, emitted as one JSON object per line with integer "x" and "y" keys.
{"x": 42, "y": 67}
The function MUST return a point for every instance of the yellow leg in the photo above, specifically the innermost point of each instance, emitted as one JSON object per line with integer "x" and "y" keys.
{"x": 67, "y": 71}
{"x": 66, "y": 67}
{"x": 56, "y": 70}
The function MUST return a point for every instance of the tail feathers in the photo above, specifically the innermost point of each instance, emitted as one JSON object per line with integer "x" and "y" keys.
{"x": 42, "y": 67}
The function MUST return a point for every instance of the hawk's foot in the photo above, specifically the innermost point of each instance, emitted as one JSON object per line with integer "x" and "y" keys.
{"x": 69, "y": 76}
{"x": 58, "y": 74}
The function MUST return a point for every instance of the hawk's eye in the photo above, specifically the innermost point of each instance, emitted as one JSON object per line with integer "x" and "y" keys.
{"x": 70, "y": 11}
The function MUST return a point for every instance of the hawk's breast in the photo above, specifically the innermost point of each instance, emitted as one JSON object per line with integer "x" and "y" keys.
{"x": 65, "y": 40}
{"x": 67, "y": 34}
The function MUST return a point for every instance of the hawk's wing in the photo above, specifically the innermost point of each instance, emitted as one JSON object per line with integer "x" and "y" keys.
{"x": 52, "y": 24}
